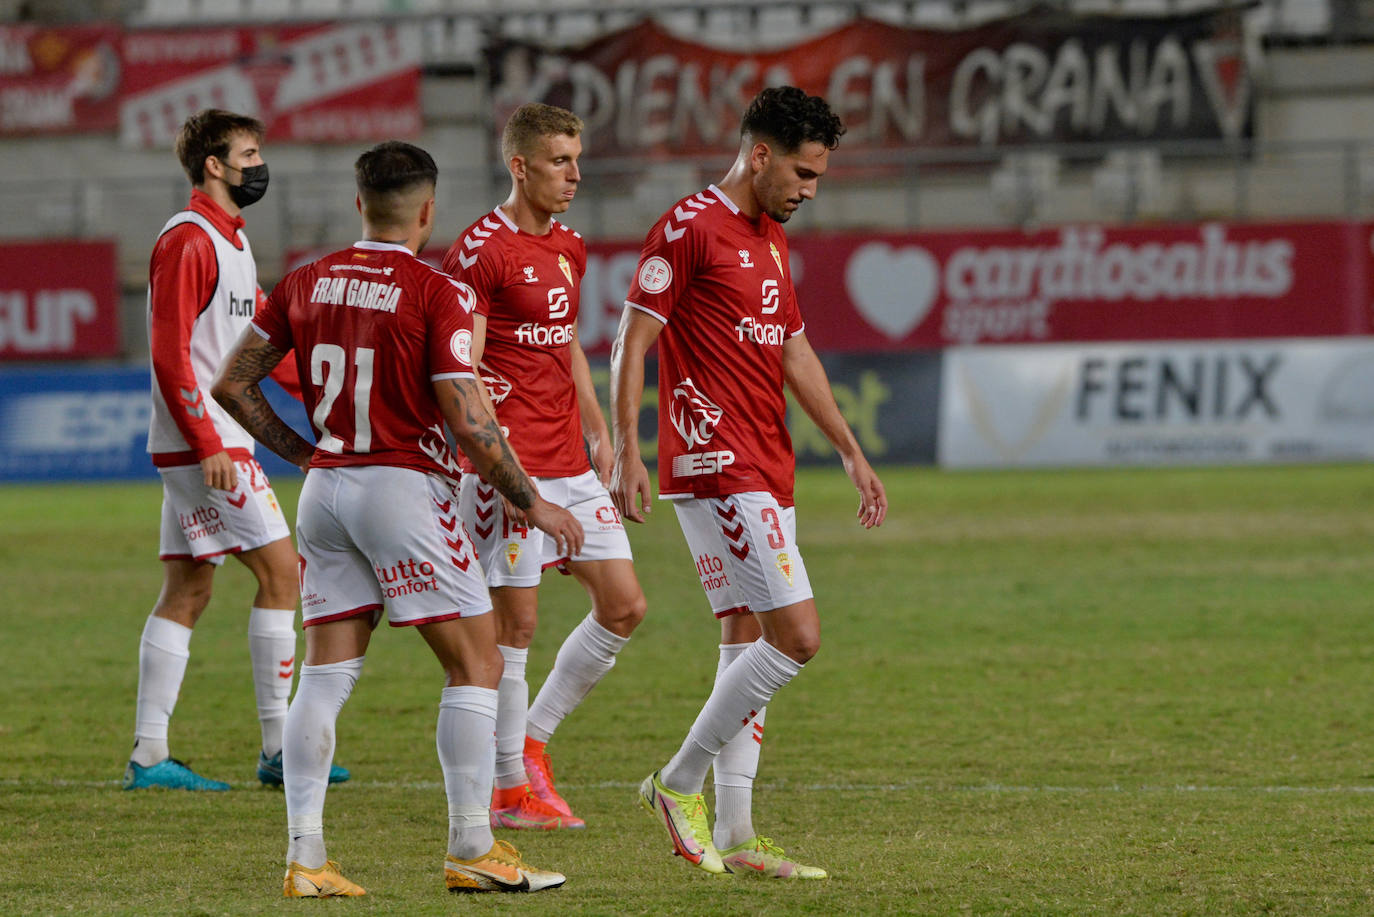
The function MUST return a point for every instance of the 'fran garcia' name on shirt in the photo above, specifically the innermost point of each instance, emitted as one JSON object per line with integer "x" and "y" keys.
{"x": 362, "y": 294}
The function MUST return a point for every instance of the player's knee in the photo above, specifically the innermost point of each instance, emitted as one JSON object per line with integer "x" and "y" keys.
{"x": 183, "y": 604}
{"x": 516, "y": 632}
{"x": 801, "y": 647}
{"x": 482, "y": 669}
{"x": 622, "y": 617}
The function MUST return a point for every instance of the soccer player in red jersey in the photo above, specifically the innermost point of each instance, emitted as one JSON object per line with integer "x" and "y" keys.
{"x": 526, "y": 268}
{"x": 216, "y": 500}
{"x": 383, "y": 344}
{"x": 714, "y": 289}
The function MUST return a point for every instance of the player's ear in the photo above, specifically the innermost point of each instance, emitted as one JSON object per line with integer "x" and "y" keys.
{"x": 427, "y": 214}
{"x": 759, "y": 155}
{"x": 358, "y": 202}
{"x": 213, "y": 167}
{"x": 517, "y": 166}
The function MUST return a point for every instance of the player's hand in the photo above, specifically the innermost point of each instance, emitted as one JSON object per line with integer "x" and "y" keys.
{"x": 559, "y": 523}
{"x": 872, "y": 497}
{"x": 630, "y": 479}
{"x": 219, "y": 471}
{"x": 603, "y": 457}
{"x": 514, "y": 514}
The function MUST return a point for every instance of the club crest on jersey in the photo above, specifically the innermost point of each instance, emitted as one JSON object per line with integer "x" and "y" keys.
{"x": 565, "y": 267}
{"x": 694, "y": 415}
{"x": 777, "y": 256}
{"x": 498, "y": 386}
{"x": 512, "y": 555}
{"x": 529, "y": 274}
{"x": 784, "y": 565}
{"x": 744, "y": 256}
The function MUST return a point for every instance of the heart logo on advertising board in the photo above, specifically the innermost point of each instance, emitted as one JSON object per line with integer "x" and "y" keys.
{"x": 893, "y": 288}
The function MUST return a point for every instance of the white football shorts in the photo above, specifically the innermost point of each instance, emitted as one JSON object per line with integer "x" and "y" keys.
{"x": 517, "y": 556}
{"x": 202, "y": 523}
{"x": 745, "y": 549}
{"x": 374, "y": 535}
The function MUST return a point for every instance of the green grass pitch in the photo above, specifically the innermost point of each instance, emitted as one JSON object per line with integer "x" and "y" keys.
{"x": 1091, "y": 692}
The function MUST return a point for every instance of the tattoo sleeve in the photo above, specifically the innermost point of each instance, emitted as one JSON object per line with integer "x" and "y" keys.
{"x": 482, "y": 441}
{"x": 238, "y": 392}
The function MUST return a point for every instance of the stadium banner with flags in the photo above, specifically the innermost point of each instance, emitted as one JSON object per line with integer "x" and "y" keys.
{"x": 1223, "y": 402}
{"x": 73, "y": 423}
{"x": 58, "y": 80}
{"x": 59, "y": 300}
{"x": 1038, "y": 77}
{"x": 308, "y": 84}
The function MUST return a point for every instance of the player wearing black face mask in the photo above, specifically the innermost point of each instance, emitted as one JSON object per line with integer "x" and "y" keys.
{"x": 251, "y": 187}
{"x": 202, "y": 293}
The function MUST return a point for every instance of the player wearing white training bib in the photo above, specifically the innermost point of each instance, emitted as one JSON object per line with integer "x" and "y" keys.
{"x": 202, "y": 292}
{"x": 714, "y": 290}
{"x": 526, "y": 269}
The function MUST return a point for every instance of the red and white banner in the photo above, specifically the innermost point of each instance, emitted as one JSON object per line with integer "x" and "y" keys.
{"x": 902, "y": 291}
{"x": 1033, "y": 78}
{"x": 1085, "y": 283}
{"x": 307, "y": 84}
{"x": 58, "y": 300}
{"x": 58, "y": 80}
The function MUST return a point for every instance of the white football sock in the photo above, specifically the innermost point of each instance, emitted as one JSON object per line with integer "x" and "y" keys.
{"x": 162, "y": 654}
{"x": 513, "y": 701}
{"x": 308, "y": 751}
{"x": 740, "y": 693}
{"x": 587, "y": 655}
{"x": 272, "y": 648}
{"x": 734, "y": 770}
{"x": 467, "y": 753}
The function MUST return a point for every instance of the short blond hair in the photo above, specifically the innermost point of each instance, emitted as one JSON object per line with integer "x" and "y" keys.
{"x": 532, "y": 121}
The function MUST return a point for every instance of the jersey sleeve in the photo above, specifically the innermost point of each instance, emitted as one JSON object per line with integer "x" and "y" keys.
{"x": 667, "y": 263}
{"x": 271, "y": 320}
{"x": 182, "y": 277}
{"x": 448, "y": 319}
{"x": 480, "y": 270}
{"x": 285, "y": 374}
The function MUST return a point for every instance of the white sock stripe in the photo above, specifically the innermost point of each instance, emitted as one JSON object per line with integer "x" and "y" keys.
{"x": 781, "y": 663}
{"x": 612, "y": 643}
{"x": 353, "y": 667}
{"x": 515, "y": 658}
{"x": 481, "y": 701}
{"x": 272, "y": 622}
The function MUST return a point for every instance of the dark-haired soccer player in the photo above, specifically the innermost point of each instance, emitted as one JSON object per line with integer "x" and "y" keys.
{"x": 526, "y": 268}
{"x": 383, "y": 343}
{"x": 715, "y": 291}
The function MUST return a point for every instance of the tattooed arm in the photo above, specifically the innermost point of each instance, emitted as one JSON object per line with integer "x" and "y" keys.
{"x": 481, "y": 440}
{"x": 236, "y": 389}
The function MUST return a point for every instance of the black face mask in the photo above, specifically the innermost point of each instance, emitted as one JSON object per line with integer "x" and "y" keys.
{"x": 253, "y": 186}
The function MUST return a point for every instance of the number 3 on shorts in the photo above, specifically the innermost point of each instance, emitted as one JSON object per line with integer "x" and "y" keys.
{"x": 776, "y": 540}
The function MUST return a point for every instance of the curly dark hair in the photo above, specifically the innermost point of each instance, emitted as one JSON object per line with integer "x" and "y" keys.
{"x": 789, "y": 117}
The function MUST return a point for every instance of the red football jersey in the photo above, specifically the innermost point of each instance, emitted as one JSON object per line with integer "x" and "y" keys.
{"x": 373, "y": 327}
{"x": 721, "y": 285}
{"x": 527, "y": 287}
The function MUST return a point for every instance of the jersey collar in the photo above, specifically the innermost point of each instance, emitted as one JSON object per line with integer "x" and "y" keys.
{"x": 205, "y": 205}
{"x": 501, "y": 215}
{"x": 370, "y": 246}
{"x": 723, "y": 198}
